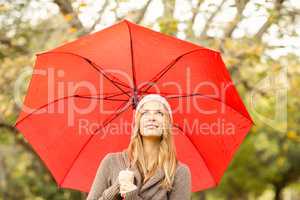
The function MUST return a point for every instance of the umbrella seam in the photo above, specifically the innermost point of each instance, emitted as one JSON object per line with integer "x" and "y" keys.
{"x": 89, "y": 139}
{"x": 132, "y": 60}
{"x": 213, "y": 178}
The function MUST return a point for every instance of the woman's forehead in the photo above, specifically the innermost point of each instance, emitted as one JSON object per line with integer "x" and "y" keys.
{"x": 153, "y": 105}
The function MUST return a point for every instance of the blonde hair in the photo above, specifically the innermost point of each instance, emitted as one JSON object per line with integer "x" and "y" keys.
{"x": 167, "y": 160}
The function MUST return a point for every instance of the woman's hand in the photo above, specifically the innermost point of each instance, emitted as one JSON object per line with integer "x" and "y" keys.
{"x": 126, "y": 180}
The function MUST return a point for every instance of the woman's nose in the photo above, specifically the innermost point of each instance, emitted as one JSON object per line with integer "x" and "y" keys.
{"x": 152, "y": 117}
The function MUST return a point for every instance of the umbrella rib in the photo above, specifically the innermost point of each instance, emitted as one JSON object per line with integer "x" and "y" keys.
{"x": 122, "y": 108}
{"x": 160, "y": 74}
{"x": 208, "y": 97}
{"x": 97, "y": 67}
{"x": 105, "y": 98}
{"x": 203, "y": 95}
{"x": 181, "y": 130}
{"x": 75, "y": 96}
{"x": 109, "y": 99}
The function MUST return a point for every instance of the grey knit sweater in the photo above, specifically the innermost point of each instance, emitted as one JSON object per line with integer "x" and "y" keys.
{"x": 106, "y": 186}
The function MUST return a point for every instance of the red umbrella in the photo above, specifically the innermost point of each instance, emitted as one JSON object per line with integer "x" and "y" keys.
{"x": 82, "y": 96}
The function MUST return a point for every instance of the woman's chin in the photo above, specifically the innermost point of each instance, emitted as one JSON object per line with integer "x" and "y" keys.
{"x": 151, "y": 134}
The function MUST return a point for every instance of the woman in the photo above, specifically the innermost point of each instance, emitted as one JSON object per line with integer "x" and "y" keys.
{"x": 148, "y": 168}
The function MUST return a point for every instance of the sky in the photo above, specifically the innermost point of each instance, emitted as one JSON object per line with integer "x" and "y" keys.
{"x": 254, "y": 18}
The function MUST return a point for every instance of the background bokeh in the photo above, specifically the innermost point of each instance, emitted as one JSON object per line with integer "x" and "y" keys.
{"x": 259, "y": 41}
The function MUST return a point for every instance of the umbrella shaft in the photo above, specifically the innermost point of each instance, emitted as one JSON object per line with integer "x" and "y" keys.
{"x": 135, "y": 98}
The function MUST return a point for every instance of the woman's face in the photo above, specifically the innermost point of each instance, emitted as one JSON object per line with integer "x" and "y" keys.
{"x": 152, "y": 119}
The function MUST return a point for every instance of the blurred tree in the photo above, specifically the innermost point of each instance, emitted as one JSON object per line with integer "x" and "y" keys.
{"x": 269, "y": 158}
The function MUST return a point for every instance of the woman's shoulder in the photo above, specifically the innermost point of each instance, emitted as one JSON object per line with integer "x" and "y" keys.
{"x": 119, "y": 154}
{"x": 182, "y": 169}
{"x": 113, "y": 157}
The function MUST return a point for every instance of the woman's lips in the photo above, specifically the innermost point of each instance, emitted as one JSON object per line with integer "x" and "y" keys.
{"x": 150, "y": 126}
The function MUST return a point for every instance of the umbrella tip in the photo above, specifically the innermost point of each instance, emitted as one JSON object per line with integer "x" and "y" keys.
{"x": 126, "y": 20}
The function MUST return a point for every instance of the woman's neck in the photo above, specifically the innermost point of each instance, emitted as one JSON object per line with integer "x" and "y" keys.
{"x": 151, "y": 149}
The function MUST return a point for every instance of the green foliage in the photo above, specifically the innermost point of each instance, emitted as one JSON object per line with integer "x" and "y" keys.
{"x": 268, "y": 160}
{"x": 168, "y": 26}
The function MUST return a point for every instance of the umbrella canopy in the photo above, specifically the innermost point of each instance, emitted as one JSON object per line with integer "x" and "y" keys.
{"x": 82, "y": 95}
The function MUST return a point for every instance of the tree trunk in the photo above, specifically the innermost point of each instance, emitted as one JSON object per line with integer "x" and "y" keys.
{"x": 202, "y": 196}
{"x": 278, "y": 190}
